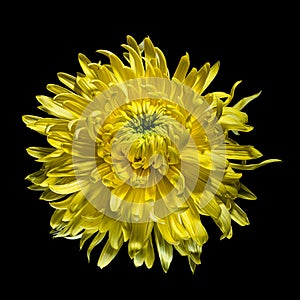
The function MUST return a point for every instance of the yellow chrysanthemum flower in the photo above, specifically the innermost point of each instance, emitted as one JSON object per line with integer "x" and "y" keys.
{"x": 138, "y": 156}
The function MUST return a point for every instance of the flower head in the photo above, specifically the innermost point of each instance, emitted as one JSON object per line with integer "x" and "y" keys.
{"x": 139, "y": 157}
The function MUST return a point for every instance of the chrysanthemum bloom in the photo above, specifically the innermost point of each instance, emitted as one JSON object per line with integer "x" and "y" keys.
{"x": 139, "y": 157}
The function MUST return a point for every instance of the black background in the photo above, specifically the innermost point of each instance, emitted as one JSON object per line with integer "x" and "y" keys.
{"x": 253, "y": 44}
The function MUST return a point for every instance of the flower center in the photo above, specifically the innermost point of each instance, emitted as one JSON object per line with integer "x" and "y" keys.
{"x": 143, "y": 123}
{"x": 140, "y": 140}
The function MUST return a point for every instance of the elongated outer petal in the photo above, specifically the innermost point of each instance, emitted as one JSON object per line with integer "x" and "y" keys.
{"x": 86, "y": 235}
{"x": 121, "y": 72}
{"x": 194, "y": 226}
{"x": 53, "y": 108}
{"x": 243, "y": 102}
{"x": 211, "y": 75}
{"x": 29, "y": 119}
{"x": 68, "y": 80}
{"x": 68, "y": 188}
{"x": 230, "y": 97}
{"x": 253, "y": 166}
{"x": 201, "y": 78}
{"x": 238, "y": 215}
{"x": 64, "y": 171}
{"x": 146, "y": 254}
{"x": 57, "y": 89}
{"x": 84, "y": 63}
{"x": 32, "y": 123}
{"x": 116, "y": 235}
{"x": 133, "y": 43}
{"x": 39, "y": 152}
{"x": 224, "y": 222}
{"x": 63, "y": 204}
{"x": 182, "y": 68}
{"x": 150, "y": 53}
{"x": 135, "y": 61}
{"x": 108, "y": 253}
{"x": 165, "y": 250}
{"x": 140, "y": 233}
{"x": 191, "y": 78}
{"x": 48, "y": 195}
{"x": 166, "y": 233}
{"x": 242, "y": 152}
{"x": 245, "y": 193}
{"x": 192, "y": 264}
{"x": 96, "y": 240}
{"x": 150, "y": 255}
{"x": 56, "y": 218}
{"x": 210, "y": 208}
{"x": 162, "y": 62}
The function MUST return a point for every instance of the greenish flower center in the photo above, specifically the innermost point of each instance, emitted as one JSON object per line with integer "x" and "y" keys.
{"x": 144, "y": 123}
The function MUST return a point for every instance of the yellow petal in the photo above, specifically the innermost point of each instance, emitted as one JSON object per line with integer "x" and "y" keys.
{"x": 243, "y": 102}
{"x": 243, "y": 152}
{"x": 87, "y": 234}
{"x": 162, "y": 62}
{"x": 164, "y": 249}
{"x": 48, "y": 195}
{"x": 211, "y": 75}
{"x": 39, "y": 152}
{"x": 182, "y": 68}
{"x": 238, "y": 215}
{"x": 108, "y": 253}
{"x": 96, "y": 240}
{"x": 135, "y": 61}
{"x": 150, "y": 256}
{"x": 140, "y": 233}
{"x": 132, "y": 43}
{"x": 67, "y": 188}
{"x": 84, "y": 63}
{"x": 178, "y": 231}
{"x": 191, "y": 78}
{"x": 56, "y": 218}
{"x": 62, "y": 171}
{"x": 228, "y": 100}
{"x": 224, "y": 222}
{"x": 245, "y": 193}
{"x": 68, "y": 80}
{"x": 196, "y": 230}
{"x": 57, "y": 89}
{"x": 150, "y": 53}
{"x": 63, "y": 204}
{"x": 202, "y": 74}
{"x": 253, "y": 166}
{"x": 116, "y": 235}
{"x": 53, "y": 108}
